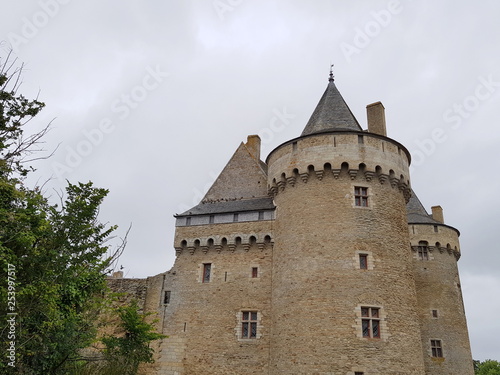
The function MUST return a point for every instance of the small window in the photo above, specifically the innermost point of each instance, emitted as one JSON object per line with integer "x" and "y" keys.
{"x": 207, "y": 272}
{"x": 435, "y": 228}
{"x": 211, "y": 219}
{"x": 370, "y": 322}
{"x": 249, "y": 325}
{"x": 255, "y": 272}
{"x": 359, "y": 373}
{"x": 166, "y": 297}
{"x": 188, "y": 221}
{"x": 360, "y": 139}
{"x": 363, "y": 261}
{"x": 261, "y": 215}
{"x": 436, "y": 348}
{"x": 361, "y": 196}
{"x": 423, "y": 250}
{"x": 434, "y": 313}
{"x": 235, "y": 217}
{"x": 294, "y": 146}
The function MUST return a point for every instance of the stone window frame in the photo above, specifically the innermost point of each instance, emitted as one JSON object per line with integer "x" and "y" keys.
{"x": 201, "y": 273}
{"x": 423, "y": 251}
{"x": 369, "y": 196}
{"x": 239, "y": 326}
{"x": 436, "y": 348}
{"x": 254, "y": 272}
{"x": 382, "y": 318}
{"x": 167, "y": 295}
{"x": 370, "y": 322}
{"x": 369, "y": 259}
{"x": 434, "y": 313}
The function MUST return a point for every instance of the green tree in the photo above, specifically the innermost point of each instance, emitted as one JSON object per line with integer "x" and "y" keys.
{"x": 133, "y": 347}
{"x": 54, "y": 257}
{"x": 488, "y": 367}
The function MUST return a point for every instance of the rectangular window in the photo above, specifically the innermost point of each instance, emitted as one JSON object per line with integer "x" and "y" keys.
{"x": 363, "y": 261}
{"x": 188, "y": 221}
{"x": 423, "y": 251}
{"x": 370, "y": 322}
{"x": 360, "y": 139}
{"x": 294, "y": 146}
{"x": 211, "y": 219}
{"x": 434, "y": 313}
{"x": 361, "y": 196}
{"x": 261, "y": 215}
{"x": 436, "y": 348}
{"x": 166, "y": 297}
{"x": 255, "y": 272}
{"x": 436, "y": 228}
{"x": 207, "y": 272}
{"x": 249, "y": 325}
{"x": 235, "y": 217}
{"x": 359, "y": 373}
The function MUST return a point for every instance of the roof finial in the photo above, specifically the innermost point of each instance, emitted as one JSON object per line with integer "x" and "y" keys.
{"x": 331, "y": 74}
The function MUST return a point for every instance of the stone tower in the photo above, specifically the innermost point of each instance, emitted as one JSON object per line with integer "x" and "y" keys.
{"x": 343, "y": 286}
{"x": 436, "y": 251}
{"x": 320, "y": 260}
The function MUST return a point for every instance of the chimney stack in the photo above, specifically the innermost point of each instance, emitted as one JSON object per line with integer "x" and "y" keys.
{"x": 437, "y": 214}
{"x": 375, "y": 113}
{"x": 253, "y": 145}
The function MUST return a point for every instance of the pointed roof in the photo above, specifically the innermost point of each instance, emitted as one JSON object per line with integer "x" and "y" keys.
{"x": 331, "y": 113}
{"x": 241, "y": 186}
{"x": 416, "y": 212}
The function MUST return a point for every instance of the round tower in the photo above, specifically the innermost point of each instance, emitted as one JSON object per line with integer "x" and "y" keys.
{"x": 343, "y": 293}
{"x": 436, "y": 250}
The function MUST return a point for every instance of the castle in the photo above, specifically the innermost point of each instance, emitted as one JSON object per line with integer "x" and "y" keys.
{"x": 320, "y": 260}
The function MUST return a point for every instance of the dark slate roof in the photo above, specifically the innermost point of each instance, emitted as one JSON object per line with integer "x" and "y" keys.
{"x": 331, "y": 113}
{"x": 254, "y": 204}
{"x": 416, "y": 212}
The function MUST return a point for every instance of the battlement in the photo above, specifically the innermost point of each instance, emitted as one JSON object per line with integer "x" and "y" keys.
{"x": 353, "y": 153}
{"x": 230, "y": 242}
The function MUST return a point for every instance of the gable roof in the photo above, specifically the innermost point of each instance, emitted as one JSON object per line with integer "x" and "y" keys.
{"x": 241, "y": 186}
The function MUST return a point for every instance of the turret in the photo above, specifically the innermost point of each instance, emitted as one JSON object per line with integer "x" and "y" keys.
{"x": 436, "y": 250}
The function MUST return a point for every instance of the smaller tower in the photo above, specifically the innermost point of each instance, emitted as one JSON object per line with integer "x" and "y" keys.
{"x": 436, "y": 250}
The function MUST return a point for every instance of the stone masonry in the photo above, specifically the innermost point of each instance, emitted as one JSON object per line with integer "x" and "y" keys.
{"x": 320, "y": 260}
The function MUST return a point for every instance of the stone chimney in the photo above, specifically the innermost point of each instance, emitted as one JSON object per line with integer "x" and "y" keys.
{"x": 253, "y": 145}
{"x": 437, "y": 214}
{"x": 375, "y": 114}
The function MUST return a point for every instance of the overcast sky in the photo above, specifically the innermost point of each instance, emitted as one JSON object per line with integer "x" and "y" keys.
{"x": 151, "y": 99}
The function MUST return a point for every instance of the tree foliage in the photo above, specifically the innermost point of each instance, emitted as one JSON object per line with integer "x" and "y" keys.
{"x": 133, "y": 347}
{"x": 488, "y": 367}
{"x": 54, "y": 257}
{"x": 15, "y": 113}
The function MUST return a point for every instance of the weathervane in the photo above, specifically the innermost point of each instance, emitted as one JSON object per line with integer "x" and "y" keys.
{"x": 331, "y": 73}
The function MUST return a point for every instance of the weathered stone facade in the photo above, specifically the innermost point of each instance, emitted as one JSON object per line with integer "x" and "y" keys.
{"x": 319, "y": 261}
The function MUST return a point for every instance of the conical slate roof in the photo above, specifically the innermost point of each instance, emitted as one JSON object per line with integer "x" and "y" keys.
{"x": 331, "y": 113}
{"x": 416, "y": 212}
